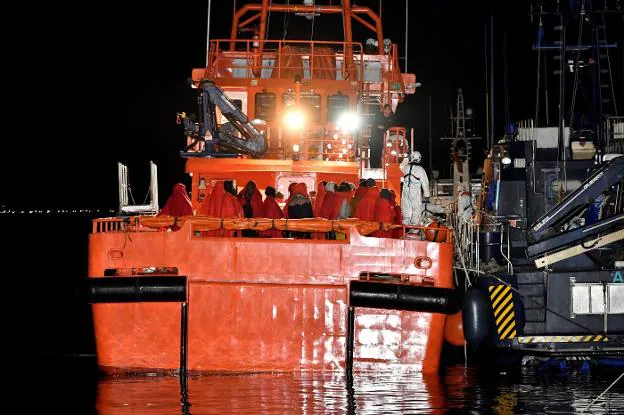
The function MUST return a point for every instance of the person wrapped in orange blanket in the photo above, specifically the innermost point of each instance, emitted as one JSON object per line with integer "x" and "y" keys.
{"x": 271, "y": 210}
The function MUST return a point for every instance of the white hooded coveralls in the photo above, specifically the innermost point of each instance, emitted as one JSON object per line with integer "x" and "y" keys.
{"x": 415, "y": 185}
{"x": 464, "y": 206}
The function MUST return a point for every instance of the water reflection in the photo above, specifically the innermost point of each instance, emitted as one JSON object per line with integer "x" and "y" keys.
{"x": 458, "y": 390}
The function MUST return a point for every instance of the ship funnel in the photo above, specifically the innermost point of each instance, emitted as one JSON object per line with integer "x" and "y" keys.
{"x": 125, "y": 192}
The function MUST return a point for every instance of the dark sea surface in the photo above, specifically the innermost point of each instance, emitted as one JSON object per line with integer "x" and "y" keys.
{"x": 52, "y": 364}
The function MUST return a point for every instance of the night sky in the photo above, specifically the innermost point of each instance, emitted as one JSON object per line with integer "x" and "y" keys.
{"x": 92, "y": 85}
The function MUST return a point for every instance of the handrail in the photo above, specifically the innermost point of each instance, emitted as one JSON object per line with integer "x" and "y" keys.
{"x": 250, "y": 51}
{"x": 209, "y": 223}
{"x": 313, "y": 9}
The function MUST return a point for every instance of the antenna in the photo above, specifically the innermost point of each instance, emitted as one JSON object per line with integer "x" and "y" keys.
{"x": 406, "y": 27}
{"x": 208, "y": 31}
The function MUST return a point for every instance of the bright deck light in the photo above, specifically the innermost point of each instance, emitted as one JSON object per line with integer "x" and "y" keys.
{"x": 349, "y": 122}
{"x": 294, "y": 120}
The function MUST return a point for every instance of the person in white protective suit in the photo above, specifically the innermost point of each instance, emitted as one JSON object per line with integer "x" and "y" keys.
{"x": 415, "y": 186}
{"x": 464, "y": 204}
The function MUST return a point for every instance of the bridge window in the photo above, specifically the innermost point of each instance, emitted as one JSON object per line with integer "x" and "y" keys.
{"x": 265, "y": 106}
{"x": 312, "y": 105}
{"x": 336, "y": 105}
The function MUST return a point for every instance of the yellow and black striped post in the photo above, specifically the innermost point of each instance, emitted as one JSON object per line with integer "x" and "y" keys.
{"x": 503, "y": 306}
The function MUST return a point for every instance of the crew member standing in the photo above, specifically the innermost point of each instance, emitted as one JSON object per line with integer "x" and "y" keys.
{"x": 415, "y": 186}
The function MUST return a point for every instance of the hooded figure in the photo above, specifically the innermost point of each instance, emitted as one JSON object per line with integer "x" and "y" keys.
{"x": 331, "y": 203}
{"x": 291, "y": 187}
{"x": 230, "y": 207}
{"x": 212, "y": 206}
{"x": 366, "y": 207}
{"x": 331, "y": 206}
{"x": 357, "y": 196}
{"x": 178, "y": 203}
{"x": 251, "y": 201}
{"x": 345, "y": 193}
{"x": 271, "y": 210}
{"x": 384, "y": 212}
{"x": 397, "y": 232}
{"x": 299, "y": 207}
{"x": 415, "y": 185}
{"x": 320, "y": 196}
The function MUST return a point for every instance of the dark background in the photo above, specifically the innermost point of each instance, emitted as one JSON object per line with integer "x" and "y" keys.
{"x": 92, "y": 84}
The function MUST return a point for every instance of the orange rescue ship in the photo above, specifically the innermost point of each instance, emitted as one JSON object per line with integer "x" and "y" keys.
{"x": 190, "y": 293}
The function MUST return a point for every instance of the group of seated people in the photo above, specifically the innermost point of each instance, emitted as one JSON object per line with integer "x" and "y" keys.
{"x": 331, "y": 201}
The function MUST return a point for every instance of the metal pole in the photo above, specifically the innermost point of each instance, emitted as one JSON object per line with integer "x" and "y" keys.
{"x": 208, "y": 33}
{"x": 430, "y": 139}
{"x": 348, "y": 36}
{"x": 562, "y": 63}
{"x": 350, "y": 334}
{"x": 406, "y": 26}
{"x": 487, "y": 87}
{"x": 492, "y": 136}
{"x": 183, "y": 341}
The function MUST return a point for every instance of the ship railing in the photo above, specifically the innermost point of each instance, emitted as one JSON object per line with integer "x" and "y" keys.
{"x": 266, "y": 59}
{"x": 108, "y": 225}
{"x": 197, "y": 225}
{"x": 122, "y": 224}
{"x": 394, "y": 145}
{"x": 613, "y": 135}
{"x": 394, "y": 148}
{"x": 316, "y": 142}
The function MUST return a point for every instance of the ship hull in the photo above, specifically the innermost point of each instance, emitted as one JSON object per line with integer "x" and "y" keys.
{"x": 258, "y": 304}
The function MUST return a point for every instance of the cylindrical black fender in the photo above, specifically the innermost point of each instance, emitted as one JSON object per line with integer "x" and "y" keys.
{"x": 476, "y": 316}
{"x": 135, "y": 289}
{"x": 403, "y": 297}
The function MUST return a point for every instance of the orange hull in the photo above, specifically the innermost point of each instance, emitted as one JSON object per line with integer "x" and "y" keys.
{"x": 266, "y": 304}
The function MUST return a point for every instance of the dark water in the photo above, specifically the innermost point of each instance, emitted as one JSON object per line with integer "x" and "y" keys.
{"x": 51, "y": 356}
{"x": 74, "y": 385}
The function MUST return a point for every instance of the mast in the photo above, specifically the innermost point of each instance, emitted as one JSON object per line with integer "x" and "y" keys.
{"x": 208, "y": 33}
{"x": 492, "y": 134}
{"x": 406, "y": 27}
{"x": 487, "y": 86}
{"x": 562, "y": 62}
{"x": 348, "y": 52}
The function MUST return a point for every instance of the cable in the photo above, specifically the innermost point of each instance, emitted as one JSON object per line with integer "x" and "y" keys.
{"x": 312, "y": 31}
{"x": 603, "y": 392}
{"x": 131, "y": 196}
{"x": 461, "y": 257}
{"x": 268, "y": 26}
{"x": 285, "y": 21}
{"x": 604, "y": 27}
